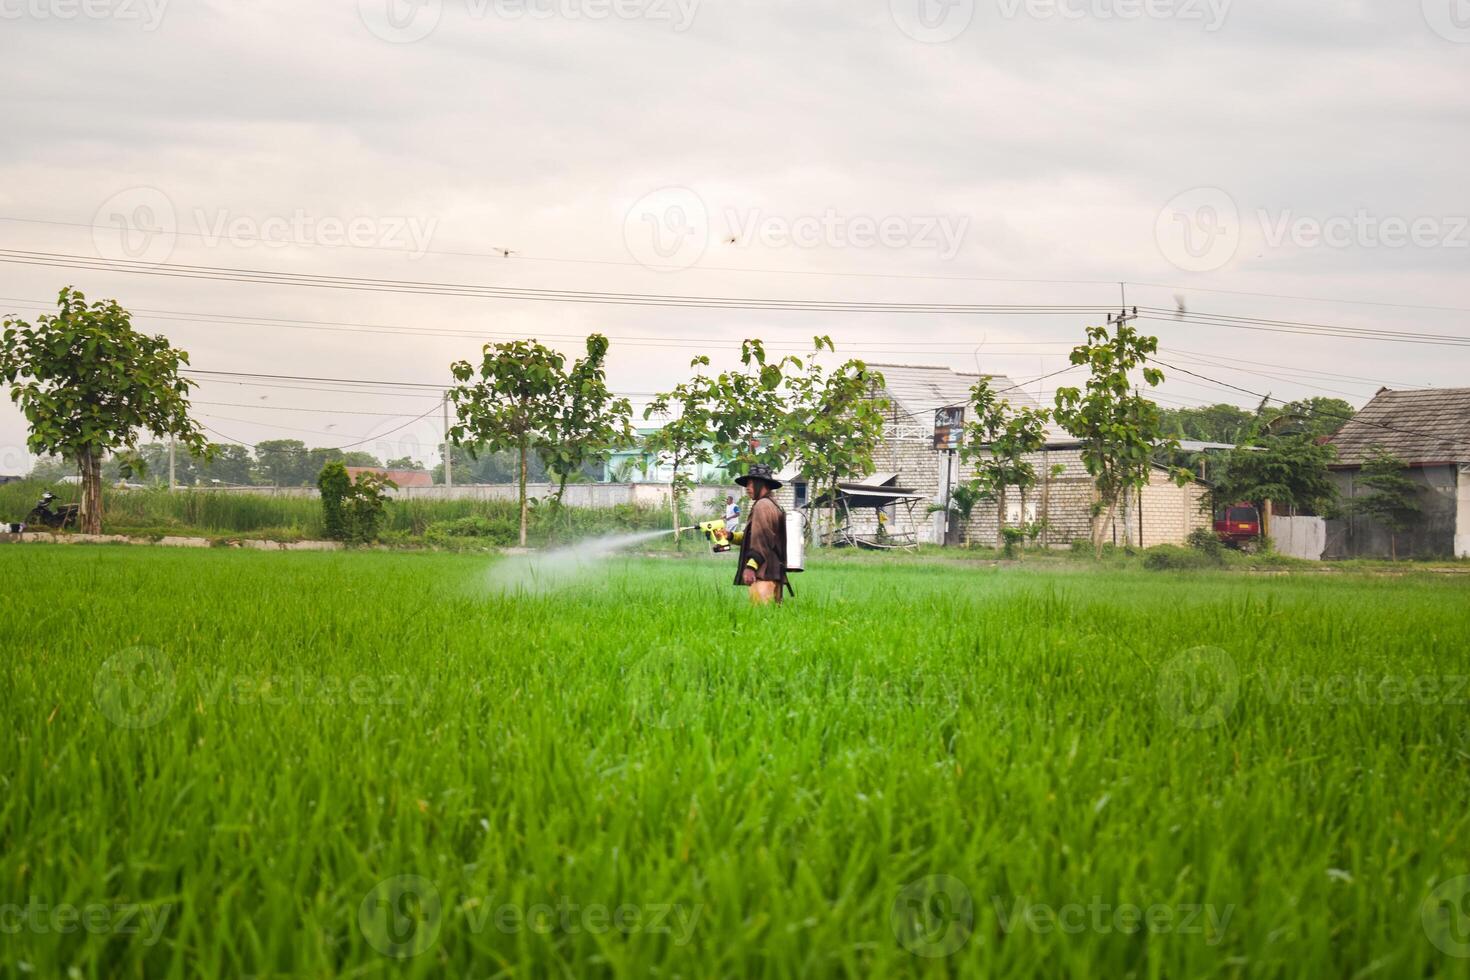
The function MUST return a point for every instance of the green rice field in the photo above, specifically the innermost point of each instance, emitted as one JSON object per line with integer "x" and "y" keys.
{"x": 224, "y": 763}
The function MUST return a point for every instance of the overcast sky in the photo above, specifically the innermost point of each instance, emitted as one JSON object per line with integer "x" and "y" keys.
{"x": 937, "y": 151}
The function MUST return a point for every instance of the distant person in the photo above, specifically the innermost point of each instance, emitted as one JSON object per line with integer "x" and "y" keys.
{"x": 763, "y": 543}
{"x": 732, "y": 514}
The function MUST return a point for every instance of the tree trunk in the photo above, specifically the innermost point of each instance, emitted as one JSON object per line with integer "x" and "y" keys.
{"x": 1000, "y": 516}
{"x": 89, "y": 463}
{"x": 1102, "y": 520}
{"x": 833, "y": 532}
{"x": 523, "y": 493}
{"x": 674, "y": 508}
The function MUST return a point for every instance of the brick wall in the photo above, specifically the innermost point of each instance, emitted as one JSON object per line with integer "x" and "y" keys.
{"x": 1162, "y": 513}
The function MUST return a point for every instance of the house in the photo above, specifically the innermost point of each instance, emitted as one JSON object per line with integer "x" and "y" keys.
{"x": 402, "y": 478}
{"x": 1429, "y": 430}
{"x": 1163, "y": 513}
{"x": 632, "y": 465}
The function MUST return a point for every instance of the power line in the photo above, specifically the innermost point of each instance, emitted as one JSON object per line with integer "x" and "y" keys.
{"x": 350, "y": 445}
{"x": 478, "y": 291}
{"x": 413, "y": 287}
{"x": 502, "y": 254}
{"x": 1264, "y": 397}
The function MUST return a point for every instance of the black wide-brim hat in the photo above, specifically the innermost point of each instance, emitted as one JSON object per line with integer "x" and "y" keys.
{"x": 759, "y": 471}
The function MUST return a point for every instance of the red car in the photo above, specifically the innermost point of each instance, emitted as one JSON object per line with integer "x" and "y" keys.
{"x": 1238, "y": 524}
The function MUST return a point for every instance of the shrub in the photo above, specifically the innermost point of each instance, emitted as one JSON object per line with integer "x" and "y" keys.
{"x": 336, "y": 487}
{"x": 1206, "y": 541}
{"x": 501, "y": 530}
{"x": 365, "y": 507}
{"x": 1171, "y": 557}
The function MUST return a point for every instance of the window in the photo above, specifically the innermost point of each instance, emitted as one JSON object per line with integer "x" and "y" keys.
{"x": 1013, "y": 512}
{"x": 1242, "y": 515}
{"x": 798, "y": 490}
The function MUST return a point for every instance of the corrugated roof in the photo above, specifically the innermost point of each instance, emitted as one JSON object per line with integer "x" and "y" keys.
{"x": 1428, "y": 426}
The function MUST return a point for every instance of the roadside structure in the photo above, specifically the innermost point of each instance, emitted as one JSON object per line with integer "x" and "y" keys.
{"x": 1429, "y": 431}
{"x": 1061, "y": 503}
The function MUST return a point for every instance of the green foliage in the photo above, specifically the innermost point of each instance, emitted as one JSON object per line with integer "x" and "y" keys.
{"x": 1208, "y": 423}
{"x": 1011, "y": 540}
{"x": 515, "y": 404}
{"x": 1290, "y": 470}
{"x": 832, "y": 422}
{"x": 685, "y": 439}
{"x": 590, "y": 422}
{"x": 364, "y": 507}
{"x": 335, "y": 487}
{"x": 480, "y": 531}
{"x": 1315, "y": 417}
{"x": 1392, "y": 498}
{"x": 1170, "y": 557}
{"x": 1120, "y": 428}
{"x": 997, "y": 439}
{"x": 89, "y": 384}
{"x": 1206, "y": 541}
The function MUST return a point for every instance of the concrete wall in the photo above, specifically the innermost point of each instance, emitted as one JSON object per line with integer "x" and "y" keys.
{"x": 1433, "y": 535}
{"x": 1462, "y": 512}
{"x": 1299, "y": 537}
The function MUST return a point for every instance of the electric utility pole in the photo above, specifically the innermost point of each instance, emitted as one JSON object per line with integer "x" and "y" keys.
{"x": 445, "y": 451}
{"x": 172, "y": 483}
{"x": 1127, "y": 503}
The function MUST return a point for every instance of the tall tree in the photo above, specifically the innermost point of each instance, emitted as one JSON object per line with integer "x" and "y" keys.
{"x": 1119, "y": 428}
{"x": 590, "y": 421}
{"x": 749, "y": 411}
{"x": 832, "y": 422}
{"x": 997, "y": 441}
{"x": 1291, "y": 470}
{"x": 89, "y": 384}
{"x": 513, "y": 405}
{"x": 1316, "y": 416}
{"x": 1392, "y": 498}
{"x": 283, "y": 463}
{"x": 685, "y": 439}
{"x": 1208, "y": 423}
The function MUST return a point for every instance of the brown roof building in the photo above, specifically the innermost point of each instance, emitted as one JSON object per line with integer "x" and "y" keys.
{"x": 1429, "y": 430}
{"x": 403, "y": 478}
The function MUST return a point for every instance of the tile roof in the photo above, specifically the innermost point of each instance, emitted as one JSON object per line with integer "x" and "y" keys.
{"x": 1427, "y": 426}
{"x": 403, "y": 478}
{"x": 920, "y": 390}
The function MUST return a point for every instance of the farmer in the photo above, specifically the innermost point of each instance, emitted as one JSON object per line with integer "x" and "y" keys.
{"x": 732, "y": 515}
{"x": 763, "y": 543}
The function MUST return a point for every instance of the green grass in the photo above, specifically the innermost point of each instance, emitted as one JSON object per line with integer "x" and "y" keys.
{"x": 780, "y": 780}
{"x": 155, "y": 512}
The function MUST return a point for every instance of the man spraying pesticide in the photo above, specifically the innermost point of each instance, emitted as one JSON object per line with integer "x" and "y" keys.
{"x": 770, "y": 546}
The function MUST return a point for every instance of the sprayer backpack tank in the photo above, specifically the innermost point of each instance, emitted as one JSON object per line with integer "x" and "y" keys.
{"x": 795, "y": 542}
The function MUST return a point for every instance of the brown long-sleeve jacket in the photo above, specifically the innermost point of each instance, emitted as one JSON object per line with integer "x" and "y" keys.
{"x": 764, "y": 542}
